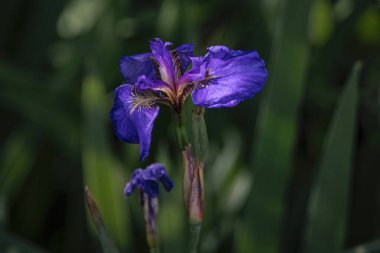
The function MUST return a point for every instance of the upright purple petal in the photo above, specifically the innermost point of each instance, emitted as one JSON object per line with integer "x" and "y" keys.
{"x": 131, "y": 67}
{"x": 185, "y": 52}
{"x": 196, "y": 73}
{"x": 235, "y": 76}
{"x": 164, "y": 60}
{"x": 222, "y": 52}
{"x": 132, "y": 120}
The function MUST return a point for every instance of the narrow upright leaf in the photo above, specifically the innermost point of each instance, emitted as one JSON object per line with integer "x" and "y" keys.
{"x": 107, "y": 244}
{"x": 371, "y": 247}
{"x": 102, "y": 172}
{"x": 329, "y": 197}
{"x": 276, "y": 130}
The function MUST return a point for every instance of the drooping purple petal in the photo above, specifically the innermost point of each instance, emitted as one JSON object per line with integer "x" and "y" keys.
{"x": 235, "y": 76}
{"x": 131, "y": 67}
{"x": 167, "y": 183}
{"x": 147, "y": 180}
{"x": 129, "y": 188}
{"x": 164, "y": 60}
{"x": 157, "y": 171}
{"x": 132, "y": 119}
{"x": 132, "y": 184}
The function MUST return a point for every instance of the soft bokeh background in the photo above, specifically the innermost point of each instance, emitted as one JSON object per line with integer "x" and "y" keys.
{"x": 295, "y": 169}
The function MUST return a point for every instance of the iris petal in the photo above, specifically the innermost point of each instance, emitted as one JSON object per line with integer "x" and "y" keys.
{"x": 196, "y": 73}
{"x": 147, "y": 180}
{"x": 235, "y": 76}
{"x": 131, "y": 67}
{"x": 133, "y": 119}
{"x": 144, "y": 83}
{"x": 185, "y": 52}
{"x": 157, "y": 171}
{"x": 164, "y": 60}
{"x": 150, "y": 187}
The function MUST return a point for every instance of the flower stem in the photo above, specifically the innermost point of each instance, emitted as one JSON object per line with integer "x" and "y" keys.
{"x": 199, "y": 133}
{"x": 154, "y": 250}
{"x": 150, "y": 209}
{"x": 181, "y": 132}
{"x": 195, "y": 231}
{"x": 193, "y": 170}
{"x": 200, "y": 140}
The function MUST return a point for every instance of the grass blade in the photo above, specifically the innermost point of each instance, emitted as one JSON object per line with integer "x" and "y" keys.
{"x": 107, "y": 244}
{"x": 102, "y": 173}
{"x": 10, "y": 243}
{"x": 276, "y": 130}
{"x": 329, "y": 197}
{"x": 371, "y": 247}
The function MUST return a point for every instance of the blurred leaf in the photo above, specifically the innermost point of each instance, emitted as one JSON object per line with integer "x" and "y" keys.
{"x": 17, "y": 157}
{"x": 27, "y": 95}
{"x": 371, "y": 247}
{"x": 78, "y": 17}
{"x": 238, "y": 192}
{"x": 11, "y": 244}
{"x": 168, "y": 18}
{"x": 368, "y": 25}
{"x": 343, "y": 8}
{"x": 321, "y": 22}
{"x": 224, "y": 162}
{"x": 276, "y": 131}
{"x": 102, "y": 173}
{"x": 172, "y": 219}
{"x": 325, "y": 229}
{"x": 107, "y": 243}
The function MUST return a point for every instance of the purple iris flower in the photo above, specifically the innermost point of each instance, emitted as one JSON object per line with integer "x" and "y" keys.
{"x": 146, "y": 181}
{"x": 222, "y": 78}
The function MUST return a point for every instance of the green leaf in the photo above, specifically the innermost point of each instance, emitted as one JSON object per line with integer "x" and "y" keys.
{"x": 276, "y": 131}
{"x": 10, "y": 243}
{"x": 17, "y": 157}
{"x": 371, "y": 247}
{"x": 329, "y": 197}
{"x": 102, "y": 172}
{"x": 321, "y": 22}
{"x": 107, "y": 243}
{"x": 27, "y": 95}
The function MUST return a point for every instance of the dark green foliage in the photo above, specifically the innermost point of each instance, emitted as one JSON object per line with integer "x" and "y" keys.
{"x": 269, "y": 161}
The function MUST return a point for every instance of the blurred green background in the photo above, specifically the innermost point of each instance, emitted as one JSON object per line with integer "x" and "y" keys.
{"x": 293, "y": 170}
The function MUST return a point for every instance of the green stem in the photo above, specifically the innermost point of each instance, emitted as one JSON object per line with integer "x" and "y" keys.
{"x": 200, "y": 137}
{"x": 195, "y": 231}
{"x": 150, "y": 207}
{"x": 154, "y": 250}
{"x": 200, "y": 148}
{"x": 181, "y": 132}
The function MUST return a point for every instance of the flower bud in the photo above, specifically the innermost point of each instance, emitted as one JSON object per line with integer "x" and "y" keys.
{"x": 193, "y": 189}
{"x": 197, "y": 195}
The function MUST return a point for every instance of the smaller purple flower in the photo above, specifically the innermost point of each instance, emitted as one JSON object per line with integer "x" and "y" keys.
{"x": 146, "y": 181}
